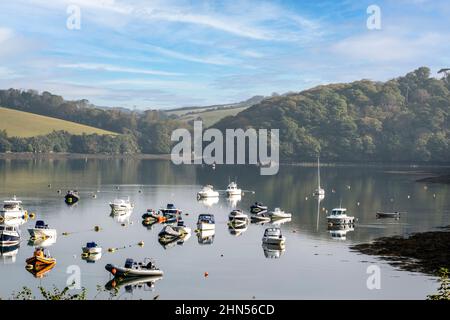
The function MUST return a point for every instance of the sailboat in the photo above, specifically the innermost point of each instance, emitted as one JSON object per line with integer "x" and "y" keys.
{"x": 319, "y": 191}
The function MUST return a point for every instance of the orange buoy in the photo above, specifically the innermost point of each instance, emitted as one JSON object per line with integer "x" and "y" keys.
{"x": 206, "y": 274}
{"x": 114, "y": 271}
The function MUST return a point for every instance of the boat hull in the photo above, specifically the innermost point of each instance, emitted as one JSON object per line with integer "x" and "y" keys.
{"x": 12, "y": 214}
{"x": 341, "y": 220}
{"x": 206, "y": 226}
{"x": 9, "y": 238}
{"x": 42, "y": 233}
{"x": 271, "y": 241}
{"x": 388, "y": 215}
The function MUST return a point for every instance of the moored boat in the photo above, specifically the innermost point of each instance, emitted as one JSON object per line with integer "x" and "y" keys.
{"x": 42, "y": 231}
{"x": 9, "y": 235}
{"x": 273, "y": 236}
{"x": 207, "y": 192}
{"x": 72, "y": 197}
{"x": 40, "y": 261}
{"x": 238, "y": 218}
{"x": 339, "y": 216}
{"x": 258, "y": 208}
{"x": 91, "y": 248}
{"x": 206, "y": 222}
{"x": 233, "y": 190}
{"x": 135, "y": 269}
{"x": 121, "y": 206}
{"x": 12, "y": 209}
{"x": 279, "y": 214}
{"x": 170, "y": 210}
{"x": 394, "y": 214}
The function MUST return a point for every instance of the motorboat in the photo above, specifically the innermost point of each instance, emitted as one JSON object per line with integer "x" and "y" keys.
{"x": 9, "y": 235}
{"x": 206, "y": 222}
{"x": 339, "y": 216}
{"x": 238, "y": 218}
{"x": 273, "y": 236}
{"x": 272, "y": 251}
{"x": 319, "y": 192}
{"x": 233, "y": 190}
{"x": 206, "y": 236}
{"x": 134, "y": 269}
{"x": 258, "y": 208}
{"x": 12, "y": 209}
{"x": 207, "y": 192}
{"x": 170, "y": 210}
{"x": 395, "y": 215}
{"x": 42, "y": 231}
{"x": 174, "y": 233}
{"x": 130, "y": 284}
{"x": 91, "y": 249}
{"x": 40, "y": 261}
{"x": 279, "y": 214}
{"x": 121, "y": 206}
{"x": 339, "y": 232}
{"x": 280, "y": 221}
{"x": 72, "y": 197}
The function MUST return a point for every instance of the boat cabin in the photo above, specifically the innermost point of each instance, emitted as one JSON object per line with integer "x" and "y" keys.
{"x": 91, "y": 245}
{"x": 12, "y": 204}
{"x": 272, "y": 232}
{"x": 40, "y": 225}
{"x": 206, "y": 218}
{"x": 338, "y": 212}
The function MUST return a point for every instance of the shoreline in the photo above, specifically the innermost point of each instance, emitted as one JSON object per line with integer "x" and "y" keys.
{"x": 69, "y": 156}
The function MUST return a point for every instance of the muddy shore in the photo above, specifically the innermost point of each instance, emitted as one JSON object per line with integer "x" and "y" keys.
{"x": 424, "y": 252}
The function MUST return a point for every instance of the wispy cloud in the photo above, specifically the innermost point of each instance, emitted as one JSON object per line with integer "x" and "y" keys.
{"x": 112, "y": 68}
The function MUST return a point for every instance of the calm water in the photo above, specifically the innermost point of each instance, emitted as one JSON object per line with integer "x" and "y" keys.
{"x": 314, "y": 264}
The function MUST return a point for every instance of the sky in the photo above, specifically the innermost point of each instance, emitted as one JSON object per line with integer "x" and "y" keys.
{"x": 160, "y": 54}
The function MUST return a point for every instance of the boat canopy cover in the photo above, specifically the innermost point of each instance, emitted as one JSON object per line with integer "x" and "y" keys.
{"x": 40, "y": 224}
{"x": 170, "y": 206}
{"x": 91, "y": 245}
{"x": 129, "y": 263}
{"x": 206, "y": 217}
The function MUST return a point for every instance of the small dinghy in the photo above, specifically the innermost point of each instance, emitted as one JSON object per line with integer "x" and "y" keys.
{"x": 42, "y": 231}
{"x": 172, "y": 233}
{"x": 279, "y": 214}
{"x": 273, "y": 236}
{"x": 135, "y": 269}
{"x": 395, "y": 214}
{"x": 72, "y": 197}
{"x": 258, "y": 208}
{"x": 91, "y": 248}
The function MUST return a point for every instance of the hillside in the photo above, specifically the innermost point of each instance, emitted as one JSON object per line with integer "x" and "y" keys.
{"x": 403, "y": 119}
{"x": 212, "y": 114}
{"x": 25, "y": 124}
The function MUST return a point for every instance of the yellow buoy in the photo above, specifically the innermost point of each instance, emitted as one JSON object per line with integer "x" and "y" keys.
{"x": 141, "y": 243}
{"x": 111, "y": 249}
{"x": 85, "y": 254}
{"x": 32, "y": 215}
{"x": 65, "y": 233}
{"x": 96, "y": 228}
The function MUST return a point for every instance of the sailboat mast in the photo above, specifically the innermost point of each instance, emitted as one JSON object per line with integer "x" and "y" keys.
{"x": 318, "y": 173}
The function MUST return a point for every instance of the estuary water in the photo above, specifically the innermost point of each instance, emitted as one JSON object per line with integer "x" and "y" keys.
{"x": 316, "y": 263}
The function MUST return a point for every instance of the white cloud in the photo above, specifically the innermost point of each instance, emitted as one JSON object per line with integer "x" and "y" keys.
{"x": 112, "y": 68}
{"x": 5, "y": 34}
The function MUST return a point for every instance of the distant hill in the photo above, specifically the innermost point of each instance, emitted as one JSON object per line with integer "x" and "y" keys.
{"x": 403, "y": 119}
{"x": 25, "y": 124}
{"x": 212, "y": 114}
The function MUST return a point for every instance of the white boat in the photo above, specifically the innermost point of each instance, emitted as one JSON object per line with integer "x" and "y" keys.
{"x": 339, "y": 216}
{"x": 279, "y": 214}
{"x": 91, "y": 248}
{"x": 207, "y": 192}
{"x": 233, "y": 190}
{"x": 121, "y": 206}
{"x": 319, "y": 192}
{"x": 42, "y": 231}
{"x": 135, "y": 269}
{"x": 238, "y": 218}
{"x": 9, "y": 236}
{"x": 273, "y": 236}
{"x": 12, "y": 209}
{"x": 206, "y": 222}
{"x": 206, "y": 236}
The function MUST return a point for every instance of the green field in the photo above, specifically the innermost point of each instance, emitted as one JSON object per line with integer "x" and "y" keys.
{"x": 25, "y": 124}
{"x": 208, "y": 117}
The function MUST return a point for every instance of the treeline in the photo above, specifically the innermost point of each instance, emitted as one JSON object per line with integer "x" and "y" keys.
{"x": 150, "y": 129}
{"x": 404, "y": 119}
{"x": 62, "y": 141}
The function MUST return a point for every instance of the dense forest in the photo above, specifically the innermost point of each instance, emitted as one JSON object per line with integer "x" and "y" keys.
{"x": 404, "y": 119}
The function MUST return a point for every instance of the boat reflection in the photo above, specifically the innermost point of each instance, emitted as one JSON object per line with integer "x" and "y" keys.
{"x": 339, "y": 232}
{"x": 206, "y": 236}
{"x": 92, "y": 258}
{"x": 9, "y": 253}
{"x": 123, "y": 217}
{"x": 237, "y": 230}
{"x": 43, "y": 243}
{"x": 278, "y": 222}
{"x": 209, "y": 201}
{"x": 130, "y": 284}
{"x": 272, "y": 251}
{"x": 233, "y": 200}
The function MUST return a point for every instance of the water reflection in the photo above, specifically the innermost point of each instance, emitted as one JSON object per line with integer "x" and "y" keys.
{"x": 272, "y": 251}
{"x": 233, "y": 200}
{"x": 206, "y": 236}
{"x": 41, "y": 242}
{"x": 131, "y": 284}
{"x": 339, "y": 232}
{"x": 8, "y": 254}
{"x": 208, "y": 202}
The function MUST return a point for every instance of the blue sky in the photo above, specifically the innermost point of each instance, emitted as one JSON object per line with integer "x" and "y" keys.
{"x": 163, "y": 53}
